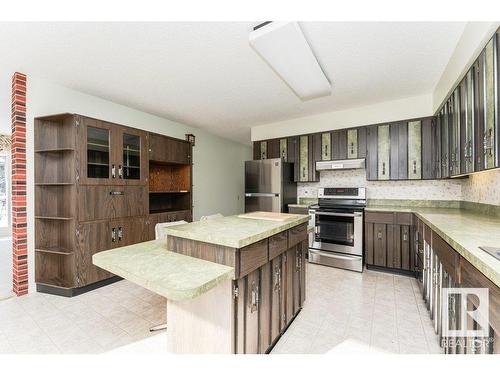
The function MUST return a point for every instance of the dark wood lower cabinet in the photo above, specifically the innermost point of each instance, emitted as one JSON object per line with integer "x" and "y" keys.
{"x": 267, "y": 300}
{"x": 388, "y": 240}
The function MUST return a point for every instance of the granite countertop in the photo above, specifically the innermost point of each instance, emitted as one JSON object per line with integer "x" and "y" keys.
{"x": 298, "y": 205}
{"x": 171, "y": 275}
{"x": 233, "y": 231}
{"x": 464, "y": 230}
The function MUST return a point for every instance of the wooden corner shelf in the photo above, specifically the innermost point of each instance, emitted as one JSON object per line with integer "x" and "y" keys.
{"x": 53, "y": 218}
{"x": 55, "y": 150}
{"x": 55, "y": 250}
{"x": 53, "y": 183}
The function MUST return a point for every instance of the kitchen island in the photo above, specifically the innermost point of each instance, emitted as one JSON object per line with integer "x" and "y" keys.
{"x": 239, "y": 281}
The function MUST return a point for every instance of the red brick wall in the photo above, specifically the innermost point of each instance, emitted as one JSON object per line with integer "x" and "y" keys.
{"x": 19, "y": 234}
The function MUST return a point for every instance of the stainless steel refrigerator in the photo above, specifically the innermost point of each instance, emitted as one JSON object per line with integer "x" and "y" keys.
{"x": 269, "y": 185}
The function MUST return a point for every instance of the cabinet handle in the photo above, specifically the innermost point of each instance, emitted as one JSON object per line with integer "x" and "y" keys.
{"x": 405, "y": 236}
{"x": 283, "y": 154}
{"x": 277, "y": 282}
{"x": 379, "y": 235}
{"x": 113, "y": 235}
{"x": 120, "y": 171}
{"x": 414, "y": 167}
{"x": 352, "y": 147}
{"x": 254, "y": 306}
{"x": 113, "y": 171}
{"x": 120, "y": 233}
{"x": 383, "y": 167}
{"x": 304, "y": 172}
{"x": 116, "y": 193}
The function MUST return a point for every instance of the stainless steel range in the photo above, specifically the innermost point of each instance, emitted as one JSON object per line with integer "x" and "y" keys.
{"x": 338, "y": 228}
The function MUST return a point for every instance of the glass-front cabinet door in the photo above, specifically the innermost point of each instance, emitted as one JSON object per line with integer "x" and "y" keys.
{"x": 97, "y": 150}
{"x": 132, "y": 156}
{"x": 467, "y": 122}
{"x": 445, "y": 171}
{"x": 111, "y": 154}
{"x": 490, "y": 103}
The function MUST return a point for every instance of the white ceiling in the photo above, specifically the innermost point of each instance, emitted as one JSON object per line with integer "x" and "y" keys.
{"x": 206, "y": 74}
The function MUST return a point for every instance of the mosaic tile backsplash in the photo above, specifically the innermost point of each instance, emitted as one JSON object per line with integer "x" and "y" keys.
{"x": 422, "y": 189}
{"x": 480, "y": 188}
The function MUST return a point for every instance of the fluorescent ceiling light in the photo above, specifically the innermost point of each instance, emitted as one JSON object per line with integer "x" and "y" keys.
{"x": 283, "y": 46}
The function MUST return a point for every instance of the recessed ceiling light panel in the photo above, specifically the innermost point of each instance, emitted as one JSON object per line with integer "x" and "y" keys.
{"x": 285, "y": 49}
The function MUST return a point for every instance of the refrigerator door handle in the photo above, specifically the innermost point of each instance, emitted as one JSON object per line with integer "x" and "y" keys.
{"x": 262, "y": 194}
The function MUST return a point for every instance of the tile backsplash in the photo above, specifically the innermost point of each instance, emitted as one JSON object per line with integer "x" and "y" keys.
{"x": 482, "y": 187}
{"x": 416, "y": 190}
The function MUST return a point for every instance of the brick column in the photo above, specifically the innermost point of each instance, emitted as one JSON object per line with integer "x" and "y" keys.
{"x": 18, "y": 156}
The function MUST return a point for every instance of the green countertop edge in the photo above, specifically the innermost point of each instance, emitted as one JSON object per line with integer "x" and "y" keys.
{"x": 209, "y": 235}
{"x": 112, "y": 261}
{"x": 486, "y": 265}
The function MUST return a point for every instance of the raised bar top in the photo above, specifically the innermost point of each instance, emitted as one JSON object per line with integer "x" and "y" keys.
{"x": 463, "y": 230}
{"x": 174, "y": 276}
{"x": 233, "y": 231}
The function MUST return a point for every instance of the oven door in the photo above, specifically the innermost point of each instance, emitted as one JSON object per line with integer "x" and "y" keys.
{"x": 338, "y": 231}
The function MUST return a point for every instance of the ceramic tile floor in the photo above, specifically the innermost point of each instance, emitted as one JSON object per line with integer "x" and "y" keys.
{"x": 5, "y": 267}
{"x": 373, "y": 311}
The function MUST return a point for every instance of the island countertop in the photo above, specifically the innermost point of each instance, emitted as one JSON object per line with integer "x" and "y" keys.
{"x": 234, "y": 231}
{"x": 464, "y": 230}
{"x": 174, "y": 276}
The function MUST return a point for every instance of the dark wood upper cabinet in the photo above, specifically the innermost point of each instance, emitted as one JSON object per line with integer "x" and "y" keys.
{"x": 164, "y": 149}
{"x": 428, "y": 154}
{"x": 445, "y": 151}
{"x": 399, "y": 151}
{"x": 455, "y": 147}
{"x": 383, "y": 152}
{"x": 339, "y": 144}
{"x": 273, "y": 148}
{"x": 293, "y": 155}
{"x": 256, "y": 150}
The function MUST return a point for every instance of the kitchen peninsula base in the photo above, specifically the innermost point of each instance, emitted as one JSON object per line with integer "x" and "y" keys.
{"x": 254, "y": 309}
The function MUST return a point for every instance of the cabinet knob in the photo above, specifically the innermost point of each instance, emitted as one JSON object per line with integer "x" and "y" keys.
{"x": 379, "y": 235}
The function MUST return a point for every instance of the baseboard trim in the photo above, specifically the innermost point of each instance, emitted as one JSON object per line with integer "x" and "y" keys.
{"x": 73, "y": 292}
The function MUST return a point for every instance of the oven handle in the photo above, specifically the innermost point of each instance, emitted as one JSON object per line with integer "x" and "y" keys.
{"x": 356, "y": 214}
{"x": 326, "y": 254}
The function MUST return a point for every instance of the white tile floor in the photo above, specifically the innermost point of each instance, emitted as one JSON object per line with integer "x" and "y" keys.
{"x": 375, "y": 311}
{"x": 381, "y": 311}
{"x": 5, "y": 268}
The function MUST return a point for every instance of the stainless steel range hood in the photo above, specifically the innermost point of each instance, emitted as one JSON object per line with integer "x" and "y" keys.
{"x": 340, "y": 164}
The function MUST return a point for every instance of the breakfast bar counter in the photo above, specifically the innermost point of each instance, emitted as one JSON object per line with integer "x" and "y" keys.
{"x": 233, "y": 284}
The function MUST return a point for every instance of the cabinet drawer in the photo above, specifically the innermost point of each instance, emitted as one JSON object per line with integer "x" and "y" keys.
{"x": 471, "y": 277}
{"x": 278, "y": 244}
{"x": 297, "y": 234}
{"x": 403, "y": 218}
{"x": 448, "y": 257}
{"x": 379, "y": 217}
{"x": 252, "y": 257}
{"x": 109, "y": 202}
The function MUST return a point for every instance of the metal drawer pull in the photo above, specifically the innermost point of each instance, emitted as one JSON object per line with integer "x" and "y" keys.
{"x": 379, "y": 235}
{"x": 414, "y": 167}
{"x": 116, "y": 193}
{"x": 120, "y": 171}
{"x": 113, "y": 171}
{"x": 355, "y": 214}
{"x": 113, "y": 235}
{"x": 120, "y": 233}
{"x": 405, "y": 236}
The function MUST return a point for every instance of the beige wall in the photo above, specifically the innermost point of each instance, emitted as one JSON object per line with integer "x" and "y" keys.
{"x": 418, "y": 106}
{"x": 218, "y": 170}
{"x": 470, "y": 44}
